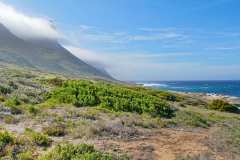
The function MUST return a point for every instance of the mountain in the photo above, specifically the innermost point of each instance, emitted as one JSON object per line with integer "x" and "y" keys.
{"x": 44, "y": 54}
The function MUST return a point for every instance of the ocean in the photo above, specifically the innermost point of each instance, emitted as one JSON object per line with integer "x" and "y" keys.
{"x": 228, "y": 88}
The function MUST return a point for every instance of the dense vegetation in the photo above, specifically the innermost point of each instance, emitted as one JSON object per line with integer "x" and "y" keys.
{"x": 78, "y": 152}
{"x": 38, "y": 138}
{"x": 193, "y": 119}
{"x": 5, "y": 139}
{"x": 20, "y": 148}
{"x": 223, "y": 106}
{"x": 47, "y": 116}
{"x": 114, "y": 97}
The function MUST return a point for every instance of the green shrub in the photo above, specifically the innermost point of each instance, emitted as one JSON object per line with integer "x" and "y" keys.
{"x": 55, "y": 130}
{"x": 170, "y": 96}
{"x": 55, "y": 81}
{"x": 5, "y": 90}
{"x": 12, "y": 147}
{"x": 163, "y": 109}
{"x": 72, "y": 152}
{"x": 111, "y": 96}
{"x": 38, "y": 138}
{"x": 2, "y": 99}
{"x": 190, "y": 101}
{"x": 143, "y": 121}
{"x": 14, "y": 103}
{"x": 192, "y": 119}
{"x": 33, "y": 110}
{"x": 25, "y": 156}
{"x": 223, "y": 106}
{"x": 10, "y": 119}
{"x": 5, "y": 139}
{"x": 16, "y": 110}
{"x": 12, "y": 85}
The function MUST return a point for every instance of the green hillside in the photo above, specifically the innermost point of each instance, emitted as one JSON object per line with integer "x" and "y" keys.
{"x": 47, "y": 116}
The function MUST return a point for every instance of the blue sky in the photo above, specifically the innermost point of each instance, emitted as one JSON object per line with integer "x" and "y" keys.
{"x": 148, "y": 39}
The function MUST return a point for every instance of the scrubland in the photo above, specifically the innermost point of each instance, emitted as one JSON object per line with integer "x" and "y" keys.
{"x": 46, "y": 116}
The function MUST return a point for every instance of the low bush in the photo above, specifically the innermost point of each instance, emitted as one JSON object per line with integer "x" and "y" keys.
{"x": 190, "y": 101}
{"x": 55, "y": 81}
{"x": 25, "y": 156}
{"x": 16, "y": 110}
{"x": 143, "y": 121}
{"x": 12, "y": 85}
{"x": 223, "y": 106}
{"x": 193, "y": 119}
{"x": 32, "y": 110}
{"x": 55, "y": 130}
{"x": 14, "y": 147}
{"x": 72, "y": 152}
{"x": 10, "y": 119}
{"x": 111, "y": 96}
{"x": 2, "y": 99}
{"x": 5, "y": 139}
{"x": 170, "y": 96}
{"x": 5, "y": 90}
{"x": 13, "y": 103}
{"x": 38, "y": 138}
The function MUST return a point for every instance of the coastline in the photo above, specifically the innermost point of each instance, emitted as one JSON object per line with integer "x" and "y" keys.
{"x": 210, "y": 96}
{"x": 205, "y": 95}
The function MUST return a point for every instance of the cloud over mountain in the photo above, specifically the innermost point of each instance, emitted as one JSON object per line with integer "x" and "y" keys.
{"x": 26, "y": 27}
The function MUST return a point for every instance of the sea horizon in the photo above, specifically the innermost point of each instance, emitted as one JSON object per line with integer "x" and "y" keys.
{"x": 219, "y": 87}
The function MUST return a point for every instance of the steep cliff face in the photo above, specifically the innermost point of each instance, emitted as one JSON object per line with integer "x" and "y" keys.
{"x": 43, "y": 54}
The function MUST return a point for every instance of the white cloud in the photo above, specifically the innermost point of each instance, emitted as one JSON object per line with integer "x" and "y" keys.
{"x": 24, "y": 26}
{"x": 98, "y": 60}
{"x": 125, "y": 66}
{"x": 228, "y": 34}
{"x": 92, "y": 34}
{"x": 224, "y": 48}
{"x": 158, "y": 34}
{"x": 158, "y": 37}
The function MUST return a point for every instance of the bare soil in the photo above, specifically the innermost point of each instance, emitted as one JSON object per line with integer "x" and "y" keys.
{"x": 167, "y": 144}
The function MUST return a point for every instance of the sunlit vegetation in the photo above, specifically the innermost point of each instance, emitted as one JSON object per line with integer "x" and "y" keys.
{"x": 12, "y": 102}
{"x": 110, "y": 96}
{"x": 47, "y": 116}
{"x": 2, "y": 99}
{"x": 192, "y": 119}
{"x": 5, "y": 139}
{"x": 74, "y": 152}
{"x": 57, "y": 130}
{"x": 5, "y": 89}
{"x": 13, "y": 147}
{"x": 9, "y": 119}
{"x": 221, "y": 105}
{"x": 38, "y": 138}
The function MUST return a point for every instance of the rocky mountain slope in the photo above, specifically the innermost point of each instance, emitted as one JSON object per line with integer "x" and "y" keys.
{"x": 43, "y": 54}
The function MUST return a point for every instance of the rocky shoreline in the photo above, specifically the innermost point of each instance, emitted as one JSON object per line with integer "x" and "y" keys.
{"x": 211, "y": 96}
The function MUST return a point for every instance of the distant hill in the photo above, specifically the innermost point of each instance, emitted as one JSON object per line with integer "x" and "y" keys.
{"x": 46, "y": 55}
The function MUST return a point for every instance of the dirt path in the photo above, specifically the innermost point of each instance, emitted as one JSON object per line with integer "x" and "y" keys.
{"x": 167, "y": 144}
